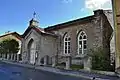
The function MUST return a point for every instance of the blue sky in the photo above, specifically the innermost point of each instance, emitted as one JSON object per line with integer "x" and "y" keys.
{"x": 16, "y": 14}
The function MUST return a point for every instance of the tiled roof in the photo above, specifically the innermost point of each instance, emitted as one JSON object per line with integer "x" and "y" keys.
{"x": 39, "y": 30}
{"x": 18, "y": 36}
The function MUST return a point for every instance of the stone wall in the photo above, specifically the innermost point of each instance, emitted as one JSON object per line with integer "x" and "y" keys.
{"x": 51, "y": 48}
{"x": 31, "y": 35}
{"x": 98, "y": 32}
{"x": 44, "y": 47}
{"x": 48, "y": 47}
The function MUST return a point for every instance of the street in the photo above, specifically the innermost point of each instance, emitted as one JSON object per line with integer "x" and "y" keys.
{"x": 11, "y": 72}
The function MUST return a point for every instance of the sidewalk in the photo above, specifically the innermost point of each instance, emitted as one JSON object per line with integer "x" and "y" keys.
{"x": 81, "y": 73}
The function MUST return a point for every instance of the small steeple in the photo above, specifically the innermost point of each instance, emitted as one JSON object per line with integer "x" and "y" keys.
{"x": 33, "y": 22}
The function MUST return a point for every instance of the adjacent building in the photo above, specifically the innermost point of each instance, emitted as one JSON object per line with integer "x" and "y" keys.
{"x": 116, "y": 14}
{"x": 17, "y": 37}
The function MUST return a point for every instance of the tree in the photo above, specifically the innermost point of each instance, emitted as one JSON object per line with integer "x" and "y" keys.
{"x": 101, "y": 60}
{"x": 9, "y": 46}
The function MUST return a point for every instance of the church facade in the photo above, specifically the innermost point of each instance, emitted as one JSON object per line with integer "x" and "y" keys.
{"x": 68, "y": 43}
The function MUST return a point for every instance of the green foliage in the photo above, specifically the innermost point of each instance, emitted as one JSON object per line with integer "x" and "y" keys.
{"x": 76, "y": 67}
{"x": 9, "y": 46}
{"x": 101, "y": 60}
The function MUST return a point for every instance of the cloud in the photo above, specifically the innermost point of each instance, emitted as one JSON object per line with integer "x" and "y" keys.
{"x": 98, "y": 4}
{"x": 82, "y": 9}
{"x": 66, "y": 1}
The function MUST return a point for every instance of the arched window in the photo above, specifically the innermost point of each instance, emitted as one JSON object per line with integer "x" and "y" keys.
{"x": 66, "y": 44}
{"x": 82, "y": 42}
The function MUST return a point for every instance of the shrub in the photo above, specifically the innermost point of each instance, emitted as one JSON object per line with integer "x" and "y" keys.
{"x": 76, "y": 67}
{"x": 101, "y": 60}
{"x": 9, "y": 46}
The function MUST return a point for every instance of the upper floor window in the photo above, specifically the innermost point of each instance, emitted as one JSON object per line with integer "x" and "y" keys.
{"x": 66, "y": 44}
{"x": 82, "y": 42}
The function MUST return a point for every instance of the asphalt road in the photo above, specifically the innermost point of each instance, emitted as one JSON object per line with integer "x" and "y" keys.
{"x": 12, "y": 72}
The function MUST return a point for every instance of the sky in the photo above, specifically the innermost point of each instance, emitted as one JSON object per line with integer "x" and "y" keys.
{"x": 16, "y": 14}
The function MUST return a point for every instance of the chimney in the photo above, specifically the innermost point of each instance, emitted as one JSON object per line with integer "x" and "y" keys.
{"x": 98, "y": 12}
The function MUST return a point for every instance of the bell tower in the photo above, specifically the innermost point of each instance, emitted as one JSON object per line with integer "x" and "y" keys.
{"x": 33, "y": 22}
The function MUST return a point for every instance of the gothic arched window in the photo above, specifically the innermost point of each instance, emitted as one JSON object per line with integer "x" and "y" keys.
{"x": 66, "y": 44}
{"x": 82, "y": 42}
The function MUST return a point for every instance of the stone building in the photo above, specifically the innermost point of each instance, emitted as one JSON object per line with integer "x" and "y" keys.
{"x": 17, "y": 37}
{"x": 68, "y": 42}
{"x": 38, "y": 46}
{"x": 116, "y": 14}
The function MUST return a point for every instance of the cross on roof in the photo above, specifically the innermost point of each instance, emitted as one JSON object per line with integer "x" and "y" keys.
{"x": 34, "y": 15}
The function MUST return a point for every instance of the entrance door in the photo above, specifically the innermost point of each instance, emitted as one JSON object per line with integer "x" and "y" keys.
{"x": 32, "y": 56}
{"x": 31, "y": 51}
